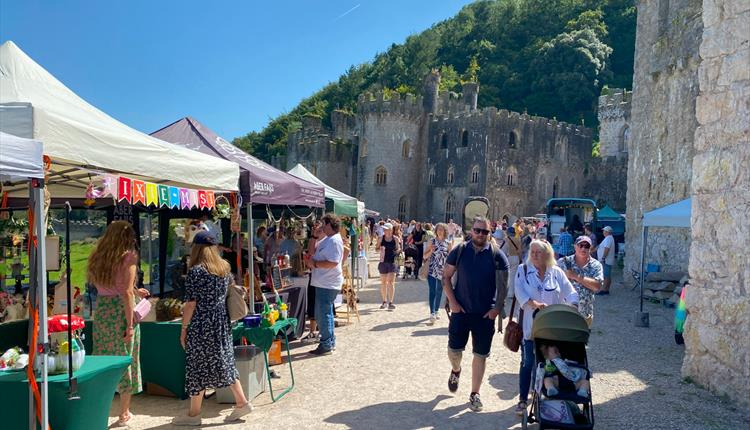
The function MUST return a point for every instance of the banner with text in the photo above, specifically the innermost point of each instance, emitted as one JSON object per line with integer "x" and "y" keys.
{"x": 133, "y": 191}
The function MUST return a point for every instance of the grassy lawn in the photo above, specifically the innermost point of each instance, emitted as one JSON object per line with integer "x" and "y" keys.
{"x": 79, "y": 255}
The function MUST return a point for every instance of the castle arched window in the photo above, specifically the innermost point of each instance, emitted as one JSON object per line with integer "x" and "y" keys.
{"x": 450, "y": 207}
{"x": 512, "y": 139}
{"x": 542, "y": 186}
{"x": 465, "y": 138}
{"x": 406, "y": 149}
{"x": 431, "y": 176}
{"x": 511, "y": 177}
{"x": 363, "y": 148}
{"x": 474, "y": 175}
{"x": 572, "y": 187}
{"x": 381, "y": 176}
{"x": 450, "y": 176}
{"x": 624, "y": 138}
{"x": 403, "y": 207}
{"x": 555, "y": 188}
{"x": 444, "y": 141}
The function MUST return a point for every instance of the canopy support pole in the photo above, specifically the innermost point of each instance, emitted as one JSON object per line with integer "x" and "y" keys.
{"x": 642, "y": 318}
{"x": 39, "y": 284}
{"x": 250, "y": 257}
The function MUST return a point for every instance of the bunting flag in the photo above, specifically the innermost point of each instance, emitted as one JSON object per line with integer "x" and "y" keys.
{"x": 149, "y": 194}
{"x": 124, "y": 190}
{"x": 152, "y": 194}
{"x": 139, "y": 192}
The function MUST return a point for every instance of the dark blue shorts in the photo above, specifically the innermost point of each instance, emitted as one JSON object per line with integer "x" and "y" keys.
{"x": 481, "y": 329}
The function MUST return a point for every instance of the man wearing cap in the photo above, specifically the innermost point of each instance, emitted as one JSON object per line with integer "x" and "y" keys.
{"x": 585, "y": 273}
{"x": 606, "y": 255}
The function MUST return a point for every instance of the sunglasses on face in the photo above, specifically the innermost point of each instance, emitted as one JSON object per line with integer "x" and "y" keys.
{"x": 584, "y": 245}
{"x": 481, "y": 231}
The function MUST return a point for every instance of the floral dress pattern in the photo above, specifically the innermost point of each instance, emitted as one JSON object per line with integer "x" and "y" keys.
{"x": 108, "y": 331}
{"x": 209, "y": 353}
{"x": 438, "y": 257}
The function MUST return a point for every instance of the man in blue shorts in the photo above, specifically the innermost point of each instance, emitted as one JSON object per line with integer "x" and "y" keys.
{"x": 474, "y": 303}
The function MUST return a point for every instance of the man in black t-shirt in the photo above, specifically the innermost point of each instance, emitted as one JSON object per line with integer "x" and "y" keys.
{"x": 474, "y": 303}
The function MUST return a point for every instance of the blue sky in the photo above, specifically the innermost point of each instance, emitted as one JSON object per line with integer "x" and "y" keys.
{"x": 231, "y": 65}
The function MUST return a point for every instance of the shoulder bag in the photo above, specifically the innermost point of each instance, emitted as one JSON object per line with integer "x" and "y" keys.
{"x": 236, "y": 305}
{"x": 514, "y": 330}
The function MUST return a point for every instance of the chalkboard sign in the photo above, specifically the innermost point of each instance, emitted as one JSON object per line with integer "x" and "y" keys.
{"x": 276, "y": 278}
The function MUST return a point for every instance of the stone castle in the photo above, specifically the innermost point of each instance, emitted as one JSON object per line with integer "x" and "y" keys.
{"x": 419, "y": 157}
{"x": 689, "y": 137}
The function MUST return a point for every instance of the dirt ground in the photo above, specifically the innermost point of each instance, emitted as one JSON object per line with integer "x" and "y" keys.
{"x": 390, "y": 370}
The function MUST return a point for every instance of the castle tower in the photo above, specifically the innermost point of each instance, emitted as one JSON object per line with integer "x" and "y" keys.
{"x": 470, "y": 94}
{"x": 430, "y": 92}
{"x": 614, "y": 123}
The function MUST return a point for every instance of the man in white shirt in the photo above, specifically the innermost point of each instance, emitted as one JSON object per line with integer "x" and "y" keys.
{"x": 605, "y": 253}
{"x": 327, "y": 278}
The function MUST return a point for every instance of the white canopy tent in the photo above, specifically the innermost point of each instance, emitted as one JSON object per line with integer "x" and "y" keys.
{"x": 343, "y": 204}
{"x": 21, "y": 160}
{"x": 81, "y": 140}
{"x": 674, "y": 215}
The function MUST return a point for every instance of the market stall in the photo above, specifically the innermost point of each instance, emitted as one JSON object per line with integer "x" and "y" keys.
{"x": 94, "y": 157}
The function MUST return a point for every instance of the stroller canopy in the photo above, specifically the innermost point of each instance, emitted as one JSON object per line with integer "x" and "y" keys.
{"x": 561, "y": 323}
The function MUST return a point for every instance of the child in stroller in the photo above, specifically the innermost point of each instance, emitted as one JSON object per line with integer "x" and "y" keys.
{"x": 559, "y": 372}
{"x": 410, "y": 263}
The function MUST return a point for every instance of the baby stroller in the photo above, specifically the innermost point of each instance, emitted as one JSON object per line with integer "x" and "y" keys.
{"x": 411, "y": 254}
{"x": 563, "y": 327}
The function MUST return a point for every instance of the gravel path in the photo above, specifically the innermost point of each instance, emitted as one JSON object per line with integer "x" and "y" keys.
{"x": 391, "y": 370}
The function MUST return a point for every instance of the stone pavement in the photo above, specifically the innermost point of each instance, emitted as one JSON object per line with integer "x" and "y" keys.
{"x": 391, "y": 370}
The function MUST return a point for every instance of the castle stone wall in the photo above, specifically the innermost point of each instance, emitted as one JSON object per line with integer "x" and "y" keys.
{"x": 614, "y": 123}
{"x": 717, "y": 331}
{"x": 660, "y": 157}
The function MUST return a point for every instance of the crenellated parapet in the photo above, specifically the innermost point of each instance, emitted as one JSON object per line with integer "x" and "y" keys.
{"x": 394, "y": 104}
{"x": 615, "y": 105}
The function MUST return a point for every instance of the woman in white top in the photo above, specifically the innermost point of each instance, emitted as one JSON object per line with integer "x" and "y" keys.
{"x": 539, "y": 283}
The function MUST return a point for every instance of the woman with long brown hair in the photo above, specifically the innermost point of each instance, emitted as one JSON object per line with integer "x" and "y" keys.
{"x": 112, "y": 270}
{"x": 206, "y": 333}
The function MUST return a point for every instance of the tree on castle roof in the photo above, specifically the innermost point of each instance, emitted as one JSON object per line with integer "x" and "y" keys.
{"x": 508, "y": 38}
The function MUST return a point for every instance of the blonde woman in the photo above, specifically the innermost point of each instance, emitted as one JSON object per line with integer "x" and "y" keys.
{"x": 539, "y": 283}
{"x": 206, "y": 334}
{"x": 437, "y": 252}
{"x": 112, "y": 270}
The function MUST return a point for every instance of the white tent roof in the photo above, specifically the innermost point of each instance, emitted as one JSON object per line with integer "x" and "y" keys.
{"x": 80, "y": 138}
{"x": 20, "y": 158}
{"x": 674, "y": 215}
{"x": 343, "y": 203}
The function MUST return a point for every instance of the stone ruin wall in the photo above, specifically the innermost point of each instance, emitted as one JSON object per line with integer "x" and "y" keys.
{"x": 660, "y": 153}
{"x": 717, "y": 332}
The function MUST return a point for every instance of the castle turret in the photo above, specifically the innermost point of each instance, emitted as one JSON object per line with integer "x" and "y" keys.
{"x": 430, "y": 92}
{"x": 470, "y": 94}
{"x": 614, "y": 123}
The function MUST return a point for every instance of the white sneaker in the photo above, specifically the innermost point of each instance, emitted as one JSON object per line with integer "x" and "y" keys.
{"x": 238, "y": 413}
{"x": 187, "y": 421}
{"x": 432, "y": 319}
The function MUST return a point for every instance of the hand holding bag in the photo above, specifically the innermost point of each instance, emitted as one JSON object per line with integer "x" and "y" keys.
{"x": 236, "y": 305}
{"x": 513, "y": 331}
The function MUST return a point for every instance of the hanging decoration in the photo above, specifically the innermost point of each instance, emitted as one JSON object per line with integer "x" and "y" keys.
{"x": 133, "y": 191}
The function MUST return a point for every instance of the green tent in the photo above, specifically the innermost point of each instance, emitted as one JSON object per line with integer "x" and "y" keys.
{"x": 607, "y": 213}
{"x": 343, "y": 204}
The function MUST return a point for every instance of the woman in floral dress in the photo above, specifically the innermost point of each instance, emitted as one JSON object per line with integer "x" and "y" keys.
{"x": 114, "y": 329}
{"x": 206, "y": 333}
{"x": 437, "y": 252}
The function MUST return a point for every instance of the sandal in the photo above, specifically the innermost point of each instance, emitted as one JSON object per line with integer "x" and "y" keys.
{"x": 521, "y": 408}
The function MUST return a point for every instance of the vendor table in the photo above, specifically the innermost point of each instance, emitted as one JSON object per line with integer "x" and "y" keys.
{"x": 263, "y": 337}
{"x": 295, "y": 296}
{"x": 162, "y": 356}
{"x": 97, "y": 382}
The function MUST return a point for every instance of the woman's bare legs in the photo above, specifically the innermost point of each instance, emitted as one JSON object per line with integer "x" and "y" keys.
{"x": 125, "y": 406}
{"x": 239, "y": 396}
{"x": 195, "y": 404}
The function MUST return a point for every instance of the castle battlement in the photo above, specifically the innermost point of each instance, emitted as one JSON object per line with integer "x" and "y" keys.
{"x": 378, "y": 103}
{"x": 615, "y": 105}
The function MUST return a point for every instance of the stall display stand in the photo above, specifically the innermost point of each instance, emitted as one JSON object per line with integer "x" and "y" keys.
{"x": 263, "y": 337}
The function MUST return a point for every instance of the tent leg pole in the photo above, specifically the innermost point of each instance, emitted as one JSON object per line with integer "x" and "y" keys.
{"x": 40, "y": 284}
{"x": 642, "y": 318}
{"x": 250, "y": 258}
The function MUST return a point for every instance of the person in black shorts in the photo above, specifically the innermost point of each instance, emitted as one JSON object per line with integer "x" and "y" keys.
{"x": 474, "y": 303}
{"x": 389, "y": 247}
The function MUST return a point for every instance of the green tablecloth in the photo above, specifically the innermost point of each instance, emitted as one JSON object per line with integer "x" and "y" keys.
{"x": 97, "y": 381}
{"x": 262, "y": 337}
{"x": 162, "y": 356}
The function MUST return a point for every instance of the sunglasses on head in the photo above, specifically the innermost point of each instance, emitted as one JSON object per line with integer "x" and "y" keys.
{"x": 481, "y": 231}
{"x": 584, "y": 245}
